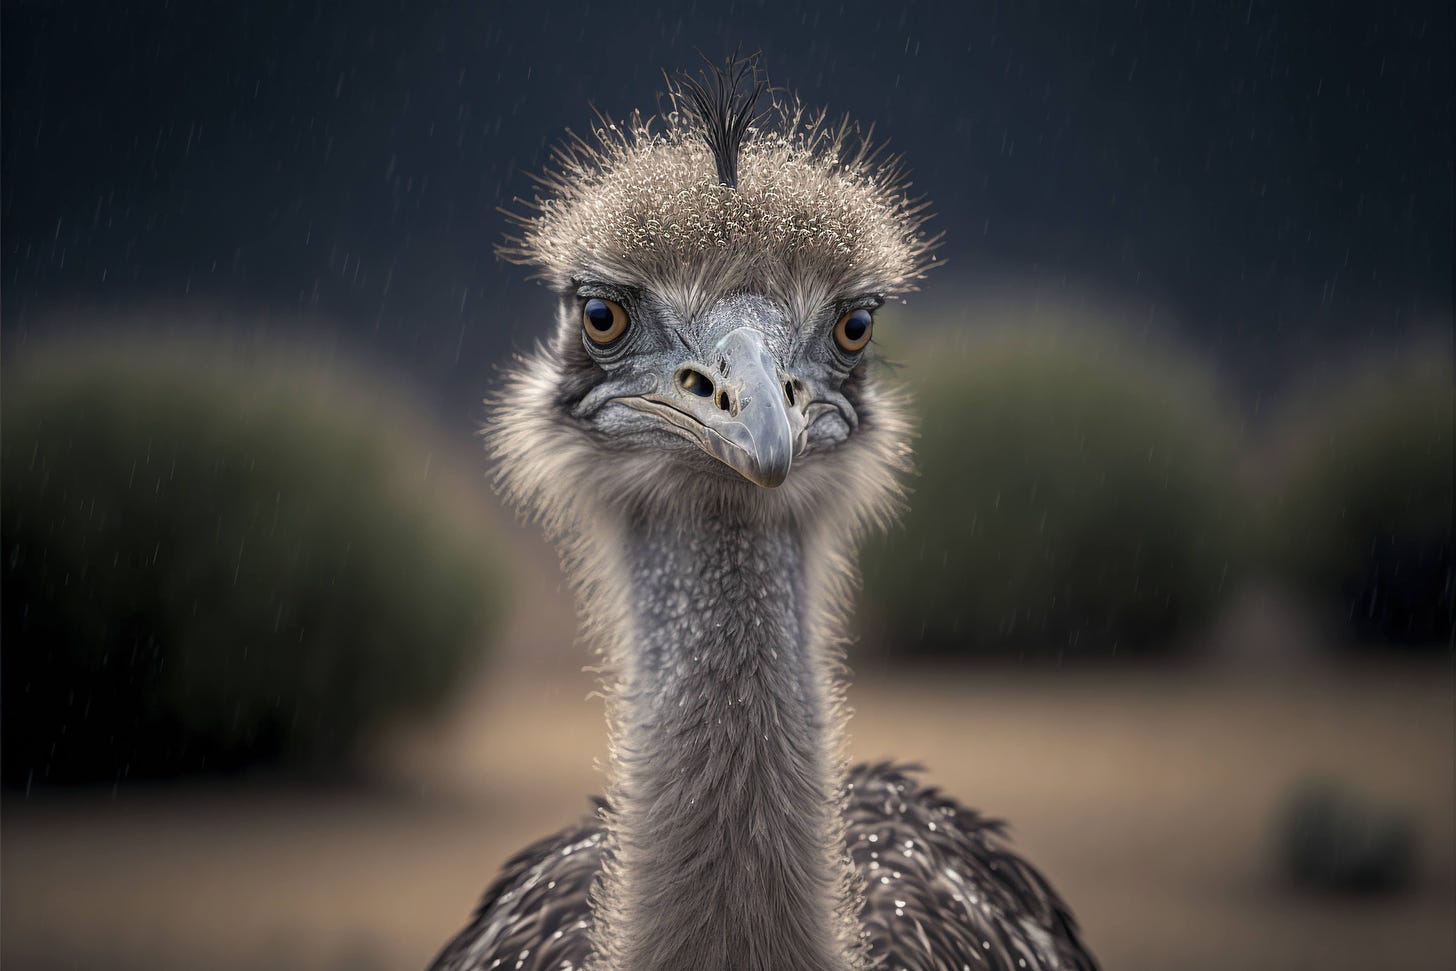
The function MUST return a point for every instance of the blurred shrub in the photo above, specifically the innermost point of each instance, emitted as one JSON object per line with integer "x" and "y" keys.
{"x": 1331, "y": 839}
{"x": 1077, "y": 497}
{"x": 1360, "y": 516}
{"x": 208, "y": 565}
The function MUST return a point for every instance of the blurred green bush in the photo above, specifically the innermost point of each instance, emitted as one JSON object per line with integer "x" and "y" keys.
{"x": 208, "y": 566}
{"x": 1359, "y": 513}
{"x": 1078, "y": 497}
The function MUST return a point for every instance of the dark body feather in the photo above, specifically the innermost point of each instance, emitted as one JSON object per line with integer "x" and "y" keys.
{"x": 941, "y": 891}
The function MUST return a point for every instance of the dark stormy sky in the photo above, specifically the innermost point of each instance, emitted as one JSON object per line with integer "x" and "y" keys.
{"x": 1278, "y": 174}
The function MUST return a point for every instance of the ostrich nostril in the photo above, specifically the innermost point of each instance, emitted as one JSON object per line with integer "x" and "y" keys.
{"x": 789, "y": 392}
{"x": 723, "y": 401}
{"x": 695, "y": 381}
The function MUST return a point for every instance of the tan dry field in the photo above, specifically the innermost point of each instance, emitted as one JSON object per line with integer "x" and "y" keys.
{"x": 1145, "y": 795}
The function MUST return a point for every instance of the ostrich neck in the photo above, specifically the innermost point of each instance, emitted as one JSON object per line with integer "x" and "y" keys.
{"x": 727, "y": 825}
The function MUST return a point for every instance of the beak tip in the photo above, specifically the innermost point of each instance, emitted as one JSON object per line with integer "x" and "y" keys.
{"x": 768, "y": 471}
{"x": 770, "y": 479}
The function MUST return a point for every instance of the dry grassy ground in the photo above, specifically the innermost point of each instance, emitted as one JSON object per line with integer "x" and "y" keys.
{"x": 1146, "y": 796}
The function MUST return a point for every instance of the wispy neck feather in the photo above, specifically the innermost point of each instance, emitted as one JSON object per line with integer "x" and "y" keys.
{"x": 726, "y": 838}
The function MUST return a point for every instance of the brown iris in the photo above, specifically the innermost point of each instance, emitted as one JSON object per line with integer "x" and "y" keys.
{"x": 853, "y": 331}
{"x": 603, "y": 320}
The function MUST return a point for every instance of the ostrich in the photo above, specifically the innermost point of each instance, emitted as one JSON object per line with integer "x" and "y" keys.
{"x": 707, "y": 437}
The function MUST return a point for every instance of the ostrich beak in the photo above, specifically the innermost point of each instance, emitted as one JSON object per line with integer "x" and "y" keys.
{"x": 735, "y": 408}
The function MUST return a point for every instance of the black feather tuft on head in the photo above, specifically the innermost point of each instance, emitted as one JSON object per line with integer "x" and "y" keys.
{"x": 724, "y": 114}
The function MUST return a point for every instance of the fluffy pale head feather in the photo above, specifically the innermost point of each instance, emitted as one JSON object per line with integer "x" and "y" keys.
{"x": 816, "y": 210}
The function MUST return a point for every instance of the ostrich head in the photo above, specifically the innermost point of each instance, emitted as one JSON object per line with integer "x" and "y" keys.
{"x": 718, "y": 274}
{"x": 705, "y": 436}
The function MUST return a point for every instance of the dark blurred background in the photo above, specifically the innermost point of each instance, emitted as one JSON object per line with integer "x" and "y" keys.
{"x": 283, "y": 684}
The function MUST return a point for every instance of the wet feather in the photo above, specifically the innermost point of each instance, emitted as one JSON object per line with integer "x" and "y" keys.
{"x": 941, "y": 890}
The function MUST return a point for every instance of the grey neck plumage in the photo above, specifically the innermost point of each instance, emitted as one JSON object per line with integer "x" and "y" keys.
{"x": 727, "y": 846}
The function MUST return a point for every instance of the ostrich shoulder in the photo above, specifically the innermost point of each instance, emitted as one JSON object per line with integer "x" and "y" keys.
{"x": 536, "y": 915}
{"x": 943, "y": 888}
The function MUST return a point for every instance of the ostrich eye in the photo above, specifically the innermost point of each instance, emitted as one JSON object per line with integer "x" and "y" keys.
{"x": 852, "y": 332}
{"x": 603, "y": 320}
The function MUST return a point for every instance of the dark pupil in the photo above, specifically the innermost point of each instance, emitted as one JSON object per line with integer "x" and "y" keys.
{"x": 599, "y": 315}
{"x": 856, "y": 325}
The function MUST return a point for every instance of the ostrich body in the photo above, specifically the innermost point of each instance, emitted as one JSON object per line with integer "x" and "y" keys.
{"x": 706, "y": 437}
